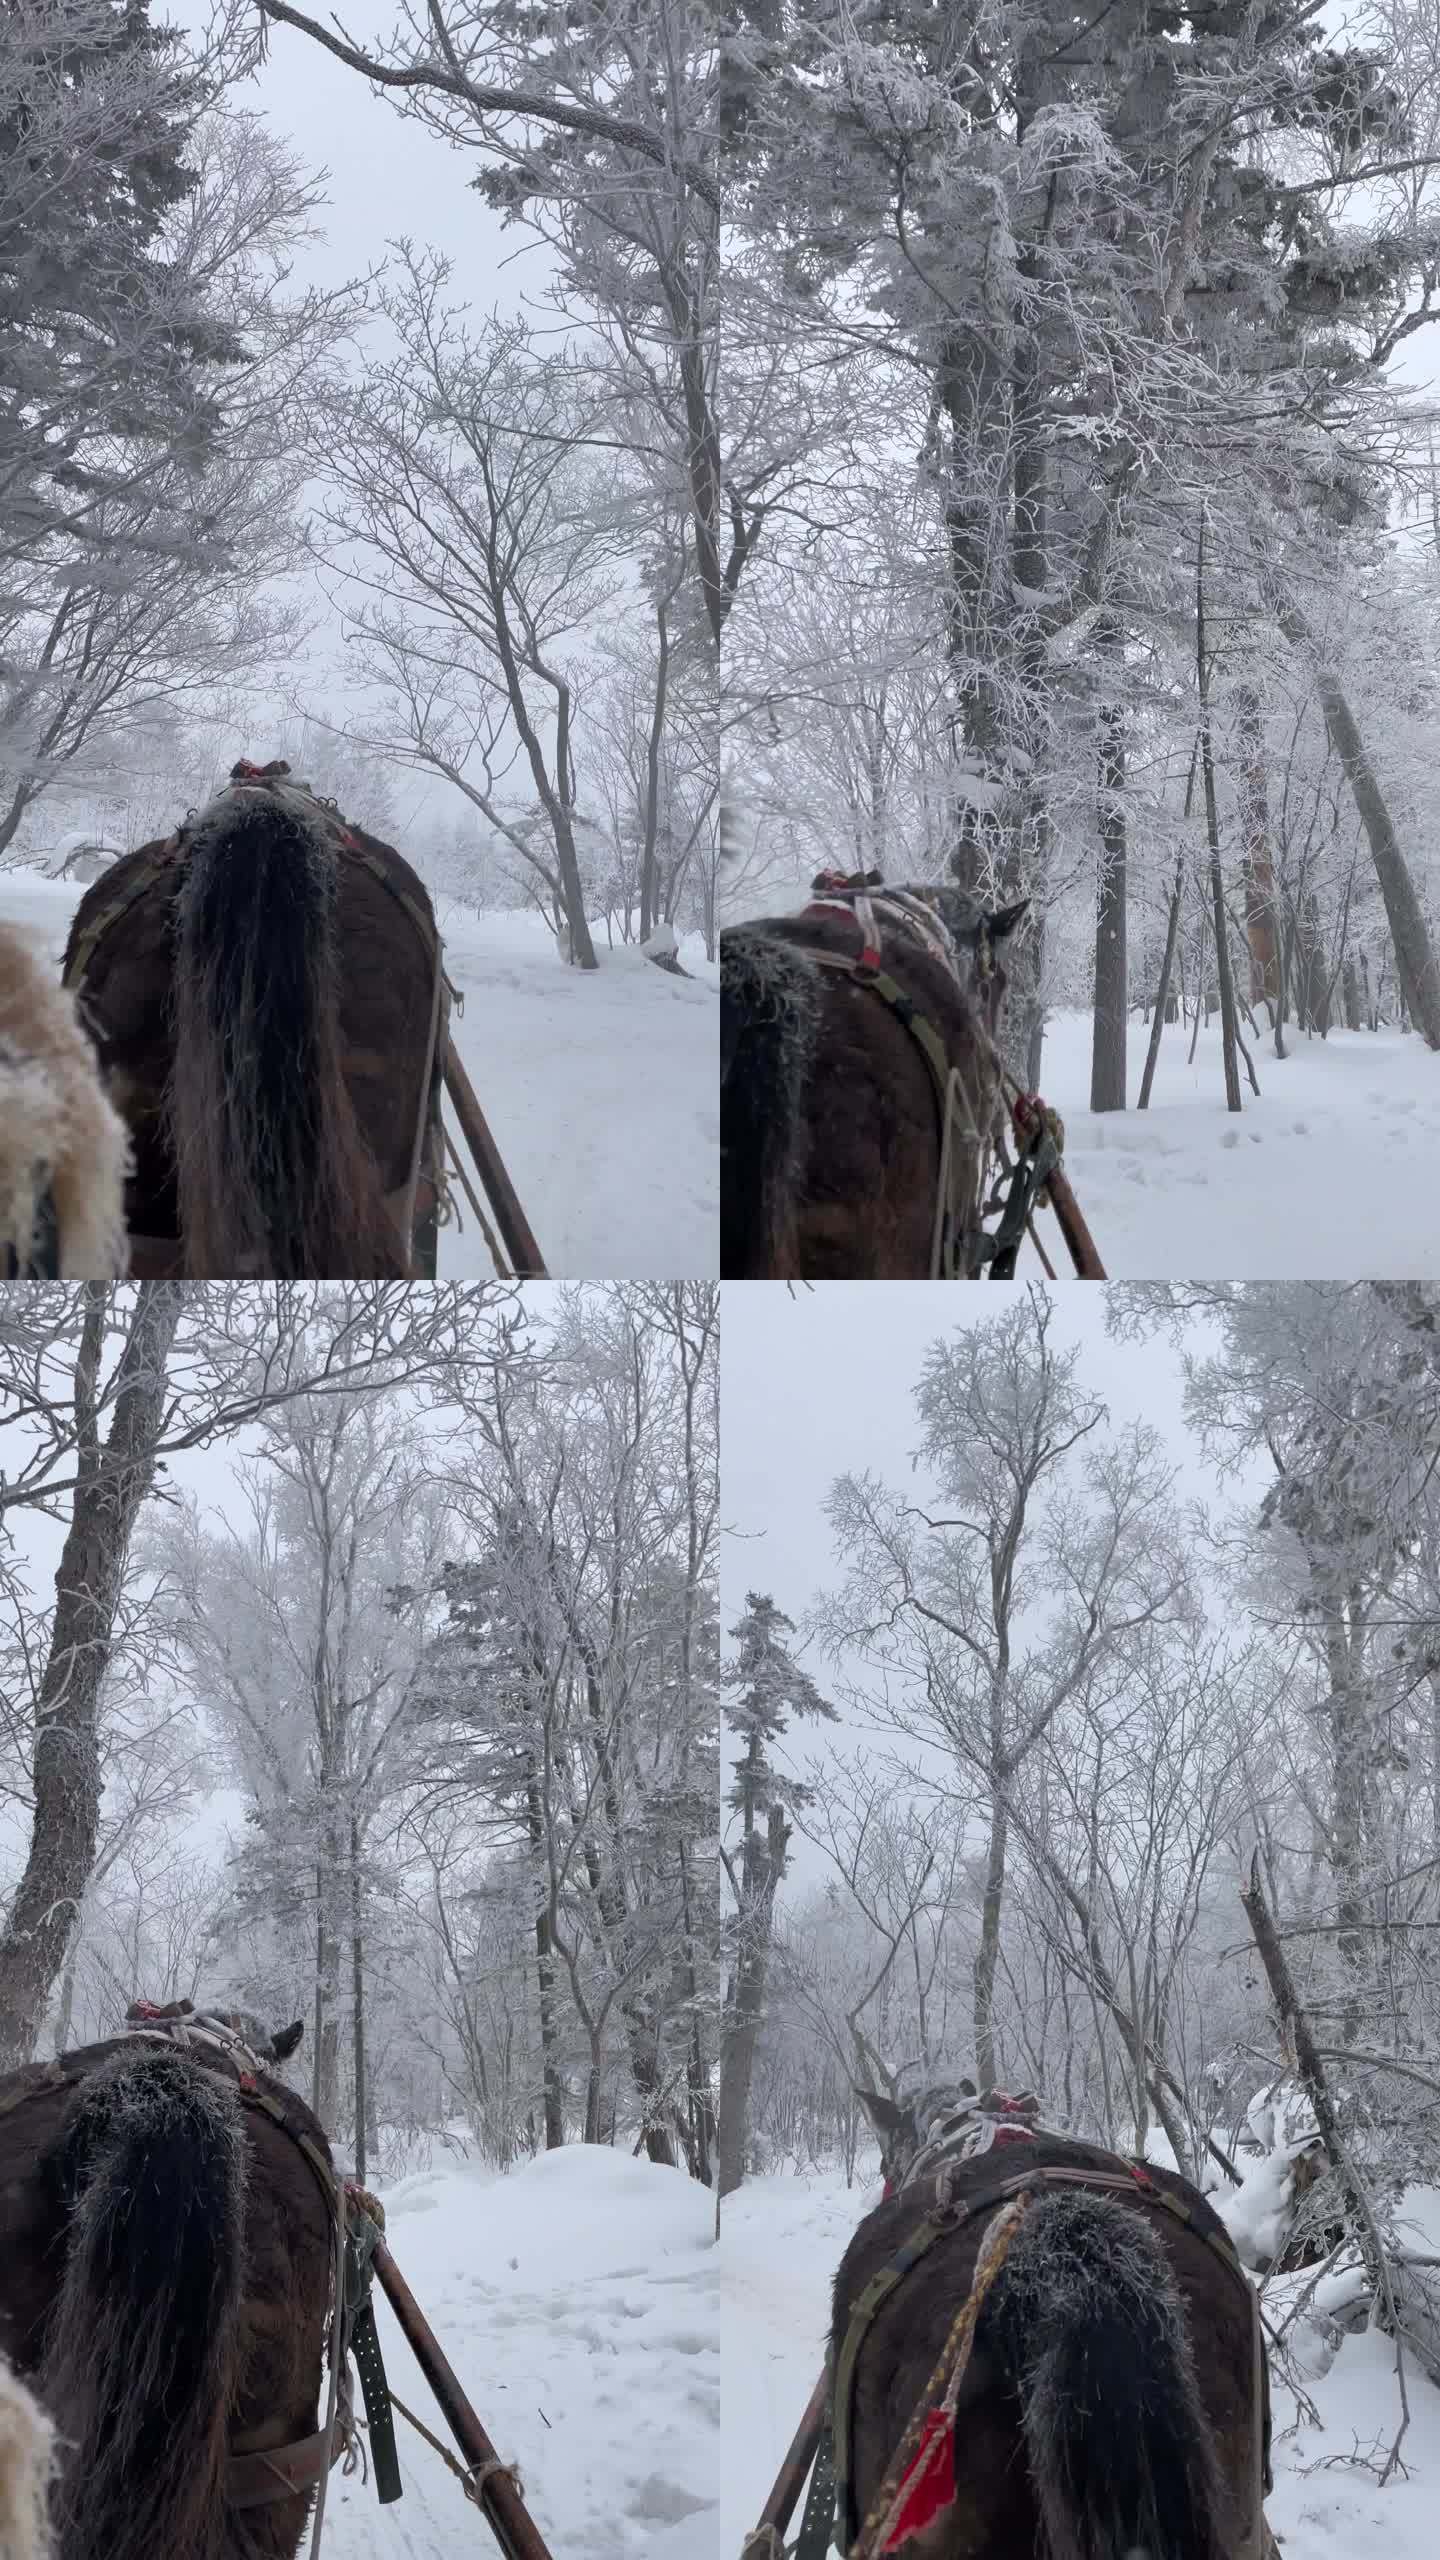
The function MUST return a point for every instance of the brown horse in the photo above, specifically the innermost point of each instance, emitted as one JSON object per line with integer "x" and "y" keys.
{"x": 166, "y": 2248}
{"x": 62, "y": 1148}
{"x": 265, "y": 988}
{"x": 1113, "y": 2404}
{"x": 831, "y": 1119}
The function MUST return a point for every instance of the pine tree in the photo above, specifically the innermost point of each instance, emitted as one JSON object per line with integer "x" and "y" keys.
{"x": 766, "y": 1688}
{"x": 108, "y": 358}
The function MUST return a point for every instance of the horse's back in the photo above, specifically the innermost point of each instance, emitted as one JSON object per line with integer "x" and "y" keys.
{"x": 287, "y": 2222}
{"x": 120, "y": 957}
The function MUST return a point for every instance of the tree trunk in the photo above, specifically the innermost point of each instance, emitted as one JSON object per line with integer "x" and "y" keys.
{"x": 553, "y": 2082}
{"x": 987, "y": 1958}
{"x": 1258, "y": 860}
{"x": 1414, "y": 952}
{"x": 762, "y": 1867}
{"x": 1212, "y": 823}
{"x": 66, "y": 2019}
{"x": 1107, "y": 1062}
{"x": 67, "y": 1778}
{"x": 357, "y": 1977}
{"x": 1162, "y": 992}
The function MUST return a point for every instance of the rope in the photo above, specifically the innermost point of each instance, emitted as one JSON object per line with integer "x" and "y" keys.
{"x": 763, "y": 2542}
{"x": 337, "y": 2359}
{"x": 502, "y": 1267}
{"x": 942, "y": 1267}
{"x": 942, "y": 2391}
{"x": 473, "y": 2480}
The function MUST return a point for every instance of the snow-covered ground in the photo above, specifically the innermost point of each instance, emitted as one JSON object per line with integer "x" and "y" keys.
{"x": 782, "y": 2241}
{"x": 601, "y": 1088}
{"x": 577, "y": 2301}
{"x": 1330, "y": 1175}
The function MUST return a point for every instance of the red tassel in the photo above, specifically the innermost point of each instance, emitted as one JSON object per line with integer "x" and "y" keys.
{"x": 928, "y": 2487}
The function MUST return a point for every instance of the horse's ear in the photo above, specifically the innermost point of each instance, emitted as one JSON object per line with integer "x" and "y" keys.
{"x": 883, "y": 2113}
{"x": 283, "y": 2045}
{"x": 1002, "y": 923}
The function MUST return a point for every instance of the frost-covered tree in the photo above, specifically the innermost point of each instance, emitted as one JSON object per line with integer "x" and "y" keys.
{"x": 1054, "y": 1550}
{"x": 1092, "y": 278}
{"x": 570, "y": 1692}
{"x": 153, "y": 358}
{"x": 765, "y": 1687}
{"x": 302, "y": 1620}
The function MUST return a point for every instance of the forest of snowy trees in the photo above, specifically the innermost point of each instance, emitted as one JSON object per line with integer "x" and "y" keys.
{"x": 440, "y": 516}
{"x": 1074, "y": 382}
{"x": 357, "y": 1661}
{"x": 1073, "y": 1687}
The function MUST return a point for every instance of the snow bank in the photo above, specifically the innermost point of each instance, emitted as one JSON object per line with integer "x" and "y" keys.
{"x": 782, "y": 2241}
{"x": 1316, "y": 1180}
{"x": 602, "y": 1089}
{"x": 577, "y": 2300}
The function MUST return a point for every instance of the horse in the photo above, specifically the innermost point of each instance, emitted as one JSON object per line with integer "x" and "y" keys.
{"x": 860, "y": 1082}
{"x": 63, "y": 1149}
{"x": 266, "y": 992}
{"x": 167, "y": 2244}
{"x": 1115, "y": 2397}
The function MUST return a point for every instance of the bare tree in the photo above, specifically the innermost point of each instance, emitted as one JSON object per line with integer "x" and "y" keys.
{"x": 954, "y": 1599}
{"x": 195, "y": 1362}
{"x": 489, "y": 541}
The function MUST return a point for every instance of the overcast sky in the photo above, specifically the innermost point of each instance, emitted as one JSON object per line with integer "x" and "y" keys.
{"x": 820, "y": 1383}
{"x": 385, "y": 178}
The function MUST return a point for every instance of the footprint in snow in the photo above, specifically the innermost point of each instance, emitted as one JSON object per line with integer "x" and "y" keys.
{"x": 658, "y": 2501}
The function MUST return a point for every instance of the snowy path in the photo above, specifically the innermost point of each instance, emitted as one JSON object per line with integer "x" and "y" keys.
{"x": 577, "y": 2301}
{"x": 1330, "y": 1175}
{"x": 601, "y": 1089}
{"x": 782, "y": 2241}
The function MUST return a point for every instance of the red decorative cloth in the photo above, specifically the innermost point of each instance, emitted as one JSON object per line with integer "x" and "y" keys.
{"x": 929, "y": 2484}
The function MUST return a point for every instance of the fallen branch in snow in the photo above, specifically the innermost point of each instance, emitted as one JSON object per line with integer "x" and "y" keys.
{"x": 1300, "y": 2043}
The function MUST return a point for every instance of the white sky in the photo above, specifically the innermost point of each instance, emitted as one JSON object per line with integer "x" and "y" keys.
{"x": 820, "y": 1384}
{"x": 385, "y": 178}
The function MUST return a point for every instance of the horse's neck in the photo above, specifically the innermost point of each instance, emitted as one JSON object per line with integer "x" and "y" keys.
{"x": 969, "y": 2129}
{"x": 900, "y": 910}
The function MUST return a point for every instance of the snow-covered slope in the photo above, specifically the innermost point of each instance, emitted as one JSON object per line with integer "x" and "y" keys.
{"x": 577, "y": 2301}
{"x": 601, "y": 1087}
{"x": 782, "y": 2241}
{"x": 1317, "y": 1180}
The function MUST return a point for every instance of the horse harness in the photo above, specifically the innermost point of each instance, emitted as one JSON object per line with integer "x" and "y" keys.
{"x": 960, "y": 1247}
{"x": 264, "y": 2474}
{"x": 830, "y": 2510}
{"x": 159, "y": 1257}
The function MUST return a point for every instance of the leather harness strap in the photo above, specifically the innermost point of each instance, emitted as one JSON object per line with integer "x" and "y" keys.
{"x": 956, "y": 1191}
{"x": 291, "y": 2471}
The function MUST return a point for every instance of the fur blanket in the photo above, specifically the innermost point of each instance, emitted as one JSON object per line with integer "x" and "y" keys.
{"x": 26, "y": 2448}
{"x": 58, "y": 1133}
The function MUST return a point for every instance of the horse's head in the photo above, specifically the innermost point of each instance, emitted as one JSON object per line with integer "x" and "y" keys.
{"x": 980, "y": 934}
{"x": 907, "y": 2125}
{"x": 252, "y": 2031}
{"x": 276, "y": 2047}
